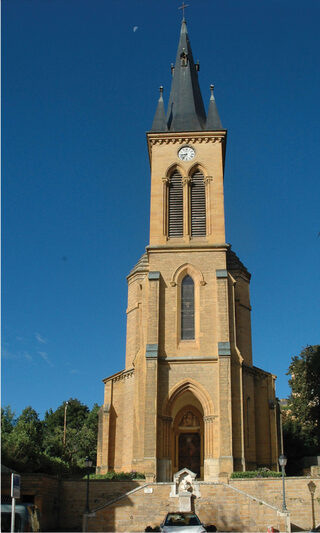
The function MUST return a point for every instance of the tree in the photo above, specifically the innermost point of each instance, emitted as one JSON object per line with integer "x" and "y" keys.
{"x": 7, "y": 425}
{"x": 88, "y": 436}
{"x": 22, "y": 442}
{"x": 77, "y": 413}
{"x": 81, "y": 433}
{"x": 32, "y": 445}
{"x": 302, "y": 413}
{"x": 7, "y": 419}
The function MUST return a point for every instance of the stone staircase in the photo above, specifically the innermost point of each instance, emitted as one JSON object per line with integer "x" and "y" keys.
{"x": 220, "y": 504}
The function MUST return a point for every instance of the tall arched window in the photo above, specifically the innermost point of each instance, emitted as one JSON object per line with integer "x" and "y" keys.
{"x": 187, "y": 308}
{"x": 198, "y": 205}
{"x": 175, "y": 215}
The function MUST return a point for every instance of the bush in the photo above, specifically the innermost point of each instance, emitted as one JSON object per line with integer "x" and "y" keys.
{"x": 255, "y": 473}
{"x": 55, "y": 466}
{"x": 118, "y": 476}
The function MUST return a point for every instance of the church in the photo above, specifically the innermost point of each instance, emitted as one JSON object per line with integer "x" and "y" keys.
{"x": 189, "y": 396}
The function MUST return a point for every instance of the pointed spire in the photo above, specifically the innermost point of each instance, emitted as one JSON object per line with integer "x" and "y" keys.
{"x": 159, "y": 121}
{"x": 213, "y": 119}
{"x": 185, "y": 110}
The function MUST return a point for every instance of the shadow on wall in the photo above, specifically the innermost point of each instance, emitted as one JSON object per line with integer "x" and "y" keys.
{"x": 294, "y": 528}
{"x": 73, "y": 500}
{"x": 109, "y": 516}
{"x": 112, "y": 437}
{"x": 216, "y": 515}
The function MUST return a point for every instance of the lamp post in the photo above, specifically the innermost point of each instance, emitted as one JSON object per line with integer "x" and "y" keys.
{"x": 88, "y": 464}
{"x": 280, "y": 427}
{"x": 282, "y": 463}
{"x": 312, "y": 489}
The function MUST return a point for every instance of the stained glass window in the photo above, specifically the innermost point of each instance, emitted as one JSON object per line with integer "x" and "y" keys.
{"x": 187, "y": 308}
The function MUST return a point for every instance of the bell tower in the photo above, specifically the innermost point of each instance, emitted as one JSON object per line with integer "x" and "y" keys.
{"x": 186, "y": 151}
{"x": 189, "y": 395}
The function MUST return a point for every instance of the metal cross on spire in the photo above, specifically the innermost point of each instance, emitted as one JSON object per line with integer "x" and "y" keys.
{"x": 183, "y": 8}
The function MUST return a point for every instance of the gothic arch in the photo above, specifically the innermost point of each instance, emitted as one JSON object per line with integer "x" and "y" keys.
{"x": 196, "y": 389}
{"x": 184, "y": 270}
{"x": 197, "y": 167}
{"x": 174, "y": 168}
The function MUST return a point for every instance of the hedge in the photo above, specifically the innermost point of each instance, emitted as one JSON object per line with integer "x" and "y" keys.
{"x": 117, "y": 476}
{"x": 255, "y": 473}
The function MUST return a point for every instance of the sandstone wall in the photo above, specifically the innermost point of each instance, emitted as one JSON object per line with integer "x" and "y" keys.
{"x": 243, "y": 505}
{"x": 298, "y": 497}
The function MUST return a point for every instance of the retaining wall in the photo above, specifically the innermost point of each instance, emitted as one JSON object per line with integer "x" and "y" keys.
{"x": 62, "y": 504}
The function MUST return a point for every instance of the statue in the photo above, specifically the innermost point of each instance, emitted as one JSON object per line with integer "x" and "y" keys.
{"x": 185, "y": 484}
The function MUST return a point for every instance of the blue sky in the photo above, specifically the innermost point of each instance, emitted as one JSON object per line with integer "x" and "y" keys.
{"x": 80, "y": 87}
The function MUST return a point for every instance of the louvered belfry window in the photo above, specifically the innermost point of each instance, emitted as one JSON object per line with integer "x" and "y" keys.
{"x": 175, "y": 222}
{"x": 187, "y": 308}
{"x": 198, "y": 205}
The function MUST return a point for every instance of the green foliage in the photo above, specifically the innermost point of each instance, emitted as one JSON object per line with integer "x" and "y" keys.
{"x": 81, "y": 433}
{"x": 32, "y": 445}
{"x": 301, "y": 416}
{"x": 255, "y": 473}
{"x": 7, "y": 419}
{"x": 7, "y": 425}
{"x": 22, "y": 443}
{"x": 55, "y": 466}
{"x": 77, "y": 413}
{"x": 118, "y": 476}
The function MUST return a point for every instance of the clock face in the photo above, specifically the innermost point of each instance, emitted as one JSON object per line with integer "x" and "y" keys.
{"x": 186, "y": 153}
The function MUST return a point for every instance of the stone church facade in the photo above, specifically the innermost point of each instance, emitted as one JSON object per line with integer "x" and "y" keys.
{"x": 189, "y": 395}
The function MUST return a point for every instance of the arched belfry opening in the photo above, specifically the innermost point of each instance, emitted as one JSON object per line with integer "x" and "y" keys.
{"x": 198, "y": 205}
{"x": 175, "y": 206}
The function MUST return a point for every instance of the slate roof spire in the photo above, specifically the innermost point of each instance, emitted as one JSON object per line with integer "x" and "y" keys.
{"x": 213, "y": 119}
{"x": 185, "y": 109}
{"x": 159, "y": 121}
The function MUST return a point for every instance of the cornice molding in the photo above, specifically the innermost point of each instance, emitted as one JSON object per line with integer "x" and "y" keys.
{"x": 124, "y": 375}
{"x": 176, "y": 138}
{"x": 139, "y": 275}
{"x": 188, "y": 359}
{"x": 257, "y": 372}
{"x": 168, "y": 247}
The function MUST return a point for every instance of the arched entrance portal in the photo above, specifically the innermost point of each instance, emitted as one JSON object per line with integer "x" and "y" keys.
{"x": 185, "y": 431}
{"x": 188, "y": 440}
